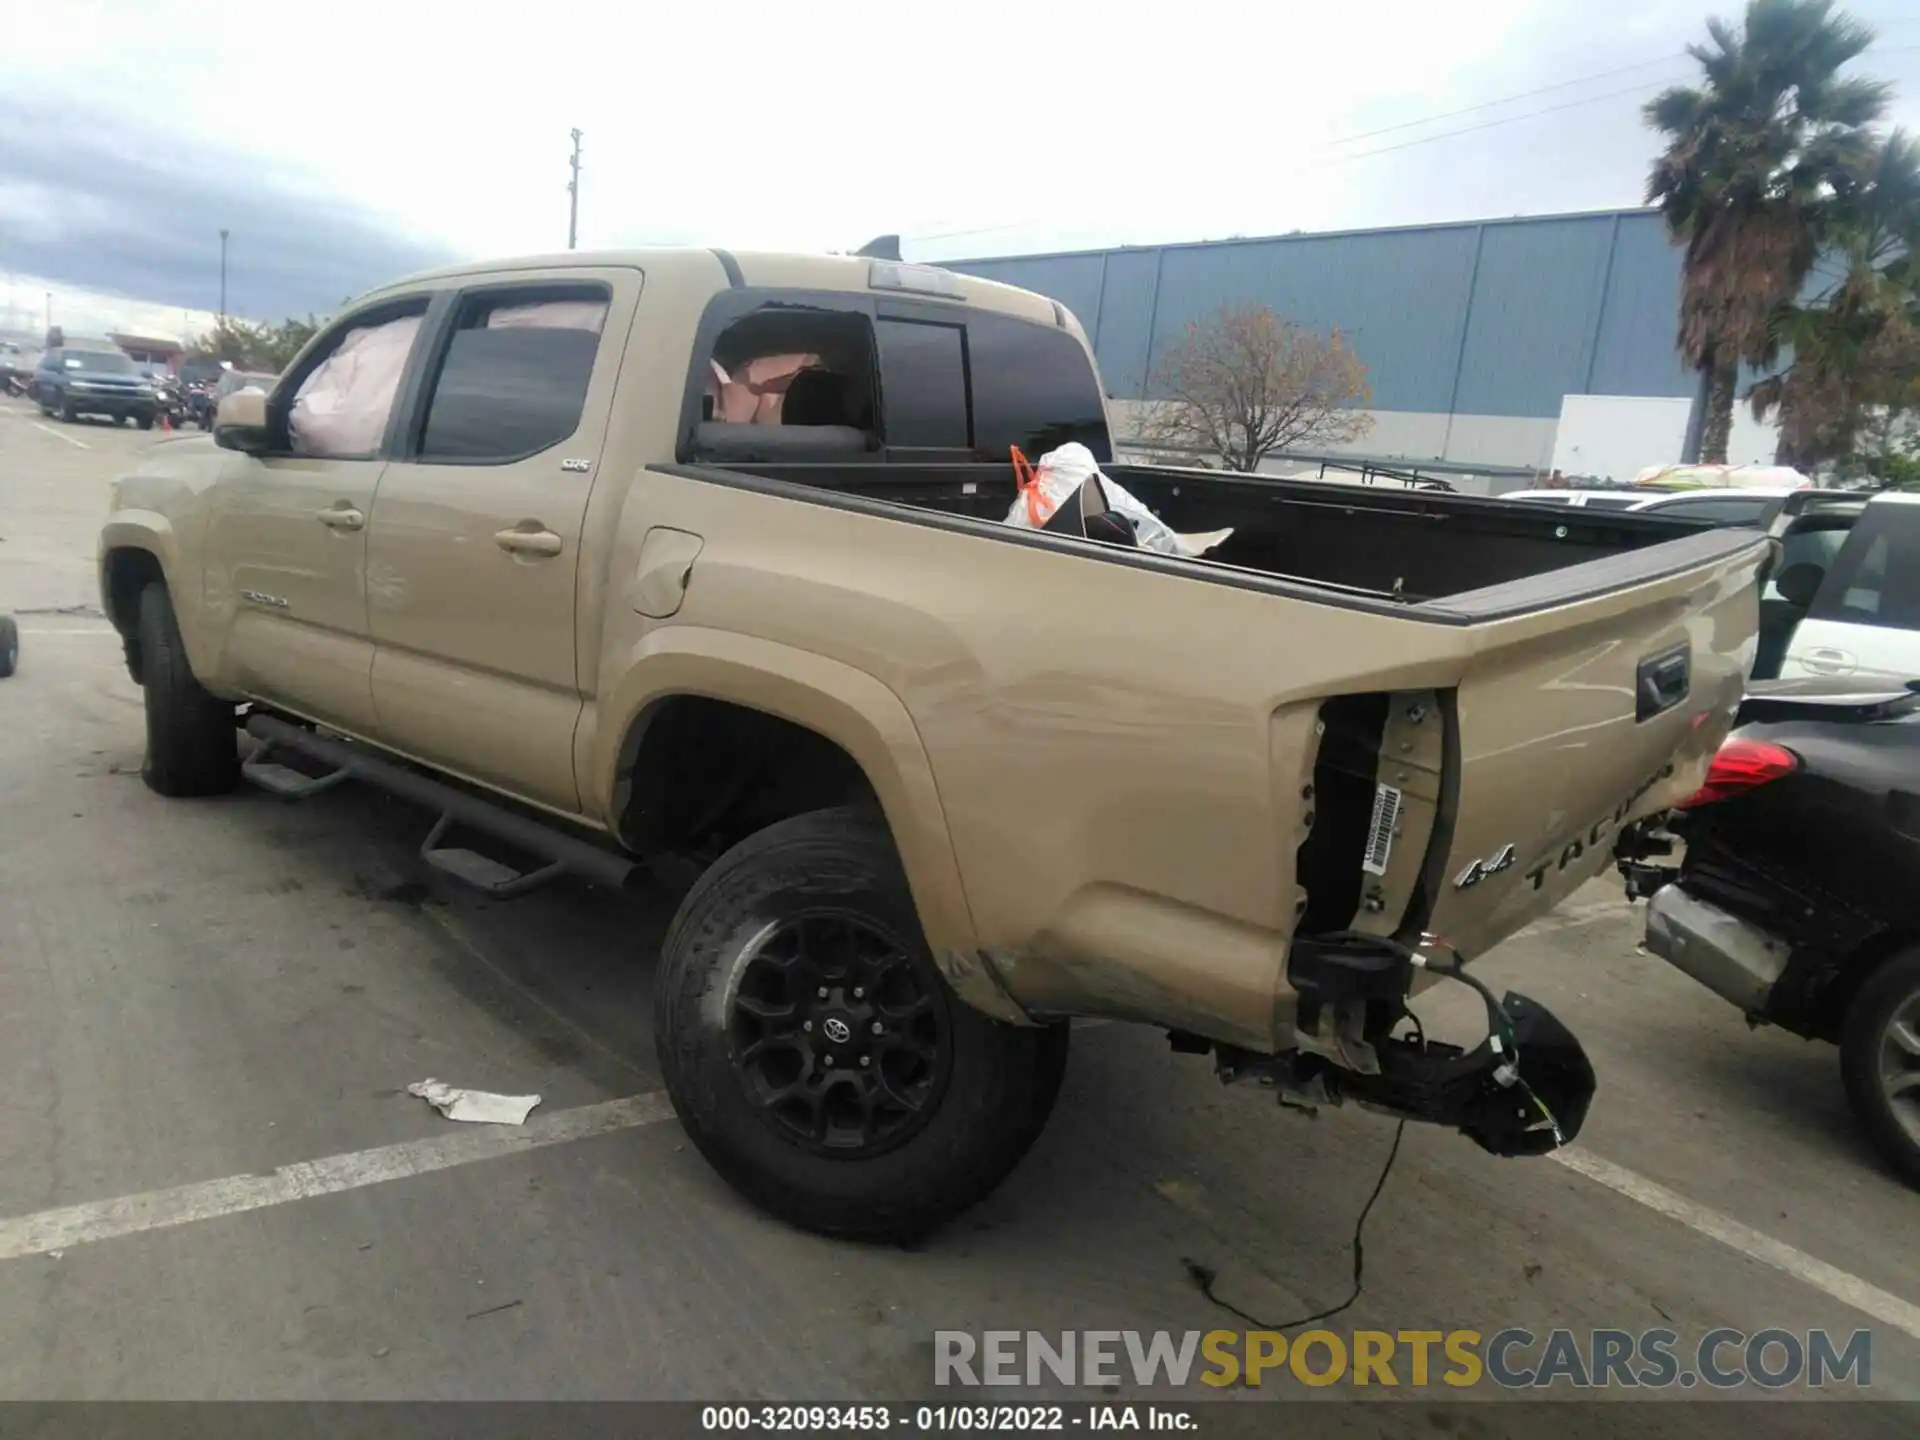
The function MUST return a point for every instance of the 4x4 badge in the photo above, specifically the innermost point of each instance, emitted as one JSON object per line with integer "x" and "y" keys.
{"x": 1481, "y": 869}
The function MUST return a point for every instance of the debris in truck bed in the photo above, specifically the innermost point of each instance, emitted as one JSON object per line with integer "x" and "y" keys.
{"x": 1059, "y": 475}
{"x": 477, "y": 1105}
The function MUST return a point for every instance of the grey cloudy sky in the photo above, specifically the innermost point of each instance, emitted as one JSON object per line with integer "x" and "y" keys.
{"x": 362, "y": 140}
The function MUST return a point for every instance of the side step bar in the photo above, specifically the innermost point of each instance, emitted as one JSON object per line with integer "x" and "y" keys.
{"x": 564, "y": 854}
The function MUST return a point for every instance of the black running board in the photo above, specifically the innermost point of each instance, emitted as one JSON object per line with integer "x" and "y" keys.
{"x": 563, "y": 853}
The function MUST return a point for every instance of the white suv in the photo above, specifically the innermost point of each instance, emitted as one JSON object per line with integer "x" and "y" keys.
{"x": 1863, "y": 612}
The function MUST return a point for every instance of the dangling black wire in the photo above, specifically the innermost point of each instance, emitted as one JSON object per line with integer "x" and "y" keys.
{"x": 1204, "y": 1276}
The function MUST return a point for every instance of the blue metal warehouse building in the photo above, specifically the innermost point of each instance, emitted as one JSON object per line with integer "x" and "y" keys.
{"x": 1472, "y": 333}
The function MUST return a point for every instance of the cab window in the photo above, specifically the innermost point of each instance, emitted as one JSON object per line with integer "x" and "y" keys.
{"x": 512, "y": 380}
{"x": 802, "y": 374}
{"x": 342, "y": 403}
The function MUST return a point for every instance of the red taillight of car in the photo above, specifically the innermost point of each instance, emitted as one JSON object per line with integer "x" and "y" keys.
{"x": 1740, "y": 766}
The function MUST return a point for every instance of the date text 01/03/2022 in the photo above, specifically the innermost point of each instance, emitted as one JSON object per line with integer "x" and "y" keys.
{"x": 937, "y": 1419}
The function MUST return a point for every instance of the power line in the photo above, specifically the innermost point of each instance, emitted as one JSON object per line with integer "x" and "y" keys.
{"x": 1427, "y": 120}
{"x": 1484, "y": 125}
{"x": 1337, "y": 160}
{"x": 1508, "y": 99}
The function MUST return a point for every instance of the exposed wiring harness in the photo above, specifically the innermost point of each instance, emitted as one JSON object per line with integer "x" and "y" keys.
{"x": 1204, "y": 1276}
{"x": 1500, "y": 1036}
{"x": 1504, "y": 1045}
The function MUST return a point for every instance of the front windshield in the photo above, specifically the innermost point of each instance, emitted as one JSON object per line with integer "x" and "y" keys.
{"x": 102, "y": 362}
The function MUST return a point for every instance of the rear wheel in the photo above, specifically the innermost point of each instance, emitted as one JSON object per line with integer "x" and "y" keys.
{"x": 192, "y": 748}
{"x": 1880, "y": 1061}
{"x": 68, "y": 413}
{"x": 813, "y": 1052}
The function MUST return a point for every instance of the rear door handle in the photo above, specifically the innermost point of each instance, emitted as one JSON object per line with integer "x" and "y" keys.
{"x": 528, "y": 542}
{"x": 1825, "y": 660}
{"x": 342, "y": 517}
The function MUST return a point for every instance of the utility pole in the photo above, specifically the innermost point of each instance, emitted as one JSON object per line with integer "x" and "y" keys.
{"x": 223, "y": 279}
{"x": 573, "y": 195}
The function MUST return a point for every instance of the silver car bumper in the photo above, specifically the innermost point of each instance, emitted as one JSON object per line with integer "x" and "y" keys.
{"x": 1735, "y": 959}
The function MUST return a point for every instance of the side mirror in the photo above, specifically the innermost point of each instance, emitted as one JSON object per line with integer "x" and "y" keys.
{"x": 241, "y": 422}
{"x": 1798, "y": 584}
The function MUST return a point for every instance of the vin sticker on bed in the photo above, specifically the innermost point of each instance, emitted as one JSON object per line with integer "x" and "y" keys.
{"x": 1386, "y": 815}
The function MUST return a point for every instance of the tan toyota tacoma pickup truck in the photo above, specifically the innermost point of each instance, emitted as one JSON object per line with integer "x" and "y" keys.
{"x": 622, "y": 561}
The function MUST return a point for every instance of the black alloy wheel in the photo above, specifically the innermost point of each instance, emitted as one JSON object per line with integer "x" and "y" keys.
{"x": 837, "y": 1038}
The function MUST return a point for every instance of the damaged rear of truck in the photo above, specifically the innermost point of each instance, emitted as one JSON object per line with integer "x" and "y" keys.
{"x": 948, "y": 781}
{"x": 1258, "y": 812}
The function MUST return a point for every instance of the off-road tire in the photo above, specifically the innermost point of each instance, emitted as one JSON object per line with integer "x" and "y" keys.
{"x": 1890, "y": 987}
{"x": 998, "y": 1093}
{"x": 9, "y": 646}
{"x": 192, "y": 745}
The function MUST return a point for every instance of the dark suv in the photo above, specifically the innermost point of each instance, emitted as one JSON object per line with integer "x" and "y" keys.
{"x": 73, "y": 382}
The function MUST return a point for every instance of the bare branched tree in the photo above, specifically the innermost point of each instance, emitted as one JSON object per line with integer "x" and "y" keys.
{"x": 1244, "y": 384}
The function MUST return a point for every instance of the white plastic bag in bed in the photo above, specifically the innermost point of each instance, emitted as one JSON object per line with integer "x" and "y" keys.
{"x": 1058, "y": 475}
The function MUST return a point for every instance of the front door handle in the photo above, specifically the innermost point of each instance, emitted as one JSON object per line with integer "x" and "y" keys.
{"x": 528, "y": 542}
{"x": 342, "y": 517}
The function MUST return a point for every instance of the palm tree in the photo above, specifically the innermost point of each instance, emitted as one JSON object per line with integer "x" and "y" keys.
{"x": 1855, "y": 344}
{"x": 1754, "y": 157}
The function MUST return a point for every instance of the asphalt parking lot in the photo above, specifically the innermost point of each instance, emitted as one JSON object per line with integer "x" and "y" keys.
{"x": 196, "y": 994}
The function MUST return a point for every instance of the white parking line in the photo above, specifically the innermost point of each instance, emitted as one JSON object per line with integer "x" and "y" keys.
{"x": 1888, "y": 1309}
{"x": 49, "y": 430}
{"x": 98, "y": 1220}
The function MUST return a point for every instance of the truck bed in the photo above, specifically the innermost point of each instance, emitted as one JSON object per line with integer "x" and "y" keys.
{"x": 1459, "y": 554}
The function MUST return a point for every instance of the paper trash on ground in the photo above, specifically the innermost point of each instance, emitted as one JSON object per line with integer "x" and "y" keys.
{"x": 478, "y": 1105}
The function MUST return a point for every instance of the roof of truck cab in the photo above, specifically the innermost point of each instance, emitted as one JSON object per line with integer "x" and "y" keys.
{"x": 723, "y": 269}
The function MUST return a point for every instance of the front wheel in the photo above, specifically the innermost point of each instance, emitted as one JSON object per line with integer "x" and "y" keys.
{"x": 1880, "y": 1061}
{"x": 145, "y": 422}
{"x": 813, "y": 1052}
{"x": 192, "y": 747}
{"x": 68, "y": 413}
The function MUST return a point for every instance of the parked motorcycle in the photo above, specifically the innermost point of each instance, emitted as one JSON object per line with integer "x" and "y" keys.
{"x": 1798, "y": 897}
{"x": 170, "y": 401}
{"x": 198, "y": 400}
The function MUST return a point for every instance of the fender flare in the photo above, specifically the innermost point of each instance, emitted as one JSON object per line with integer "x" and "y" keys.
{"x": 836, "y": 701}
{"x": 152, "y": 533}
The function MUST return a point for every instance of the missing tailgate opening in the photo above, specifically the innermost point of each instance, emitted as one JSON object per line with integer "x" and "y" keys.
{"x": 1332, "y": 862}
